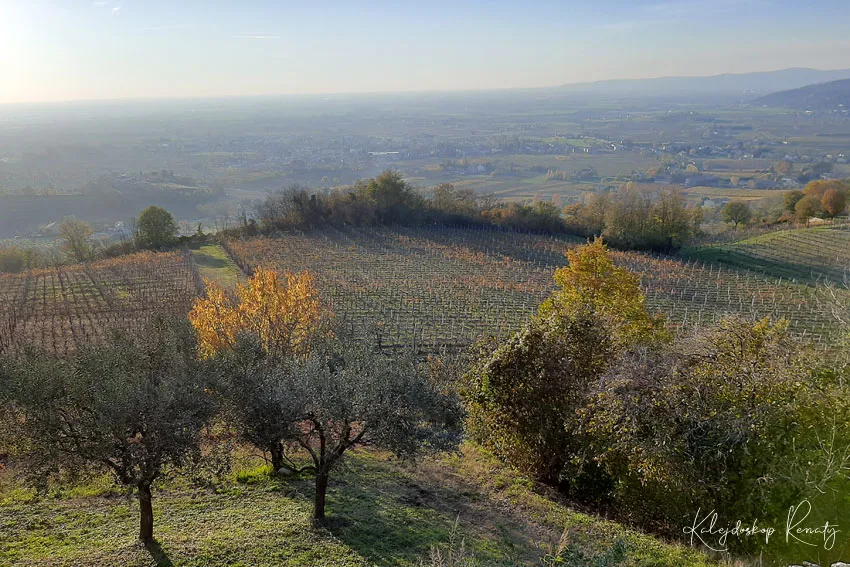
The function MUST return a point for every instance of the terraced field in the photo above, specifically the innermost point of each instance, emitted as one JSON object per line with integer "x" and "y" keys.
{"x": 807, "y": 255}
{"x": 61, "y": 308}
{"x": 442, "y": 286}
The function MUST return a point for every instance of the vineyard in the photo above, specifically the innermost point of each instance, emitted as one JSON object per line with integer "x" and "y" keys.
{"x": 429, "y": 287}
{"x": 62, "y": 308}
{"x": 442, "y": 286}
{"x": 809, "y": 254}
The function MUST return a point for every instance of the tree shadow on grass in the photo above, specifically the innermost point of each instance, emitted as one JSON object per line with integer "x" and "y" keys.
{"x": 210, "y": 261}
{"x": 788, "y": 271}
{"x": 379, "y": 524}
{"x": 392, "y": 520}
{"x": 158, "y": 554}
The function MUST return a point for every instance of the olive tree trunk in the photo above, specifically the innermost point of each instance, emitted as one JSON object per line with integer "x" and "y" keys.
{"x": 276, "y": 451}
{"x": 319, "y": 502}
{"x": 146, "y": 509}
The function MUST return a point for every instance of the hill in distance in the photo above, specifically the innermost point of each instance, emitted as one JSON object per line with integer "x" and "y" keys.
{"x": 747, "y": 85}
{"x": 824, "y": 96}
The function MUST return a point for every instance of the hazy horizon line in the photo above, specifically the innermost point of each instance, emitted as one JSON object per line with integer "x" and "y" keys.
{"x": 186, "y": 98}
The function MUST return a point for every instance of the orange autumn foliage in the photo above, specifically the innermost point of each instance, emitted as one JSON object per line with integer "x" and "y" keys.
{"x": 283, "y": 311}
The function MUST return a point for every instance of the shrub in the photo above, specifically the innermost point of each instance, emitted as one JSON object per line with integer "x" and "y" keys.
{"x": 156, "y": 228}
{"x": 12, "y": 260}
{"x": 732, "y": 420}
{"x": 524, "y": 396}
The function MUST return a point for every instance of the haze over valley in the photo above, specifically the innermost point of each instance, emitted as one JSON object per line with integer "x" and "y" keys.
{"x": 424, "y": 284}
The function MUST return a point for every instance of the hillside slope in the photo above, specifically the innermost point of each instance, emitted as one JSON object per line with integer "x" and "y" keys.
{"x": 739, "y": 84}
{"x": 60, "y": 309}
{"x": 834, "y": 95}
{"x": 438, "y": 286}
{"x": 381, "y": 512}
{"x": 817, "y": 254}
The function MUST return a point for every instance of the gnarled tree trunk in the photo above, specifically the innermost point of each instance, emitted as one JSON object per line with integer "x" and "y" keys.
{"x": 276, "y": 451}
{"x": 319, "y": 502}
{"x": 146, "y": 520}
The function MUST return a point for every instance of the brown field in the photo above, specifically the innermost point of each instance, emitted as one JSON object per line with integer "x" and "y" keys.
{"x": 62, "y": 308}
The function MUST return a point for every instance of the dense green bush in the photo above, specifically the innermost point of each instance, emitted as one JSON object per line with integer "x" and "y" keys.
{"x": 523, "y": 398}
{"x": 741, "y": 418}
{"x": 733, "y": 420}
{"x": 155, "y": 228}
{"x": 14, "y": 259}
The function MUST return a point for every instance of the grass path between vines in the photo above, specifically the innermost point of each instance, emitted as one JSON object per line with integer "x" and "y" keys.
{"x": 215, "y": 264}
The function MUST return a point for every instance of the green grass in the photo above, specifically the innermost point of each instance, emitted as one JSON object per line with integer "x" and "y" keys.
{"x": 214, "y": 264}
{"x": 807, "y": 255}
{"x": 380, "y": 512}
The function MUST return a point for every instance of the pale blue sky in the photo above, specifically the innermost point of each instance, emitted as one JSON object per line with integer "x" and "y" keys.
{"x": 108, "y": 49}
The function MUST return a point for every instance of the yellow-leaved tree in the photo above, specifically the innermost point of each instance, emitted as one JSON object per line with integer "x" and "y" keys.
{"x": 282, "y": 311}
{"x": 593, "y": 282}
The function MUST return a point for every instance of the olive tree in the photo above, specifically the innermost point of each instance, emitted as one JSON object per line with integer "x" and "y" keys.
{"x": 257, "y": 397}
{"x": 133, "y": 406}
{"x": 343, "y": 394}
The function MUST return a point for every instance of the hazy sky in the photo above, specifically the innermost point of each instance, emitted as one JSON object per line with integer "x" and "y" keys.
{"x": 107, "y": 49}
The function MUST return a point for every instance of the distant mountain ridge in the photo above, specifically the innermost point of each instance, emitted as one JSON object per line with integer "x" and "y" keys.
{"x": 748, "y": 85}
{"x": 822, "y": 96}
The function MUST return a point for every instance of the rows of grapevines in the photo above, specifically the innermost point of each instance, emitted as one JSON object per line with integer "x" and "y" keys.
{"x": 436, "y": 286}
{"x": 62, "y": 308}
{"x": 813, "y": 254}
{"x": 426, "y": 288}
{"x": 693, "y": 294}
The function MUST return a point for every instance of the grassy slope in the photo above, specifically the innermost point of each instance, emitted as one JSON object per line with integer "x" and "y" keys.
{"x": 807, "y": 254}
{"x": 381, "y": 512}
{"x": 214, "y": 264}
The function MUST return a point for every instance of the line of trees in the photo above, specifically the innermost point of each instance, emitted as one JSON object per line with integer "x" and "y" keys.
{"x": 389, "y": 200}
{"x": 628, "y": 219}
{"x": 155, "y": 229}
{"x": 265, "y": 364}
{"x": 821, "y": 199}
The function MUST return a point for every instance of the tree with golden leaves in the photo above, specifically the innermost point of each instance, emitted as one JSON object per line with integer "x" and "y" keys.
{"x": 834, "y": 202}
{"x": 282, "y": 312}
{"x": 593, "y": 282}
{"x": 525, "y": 397}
